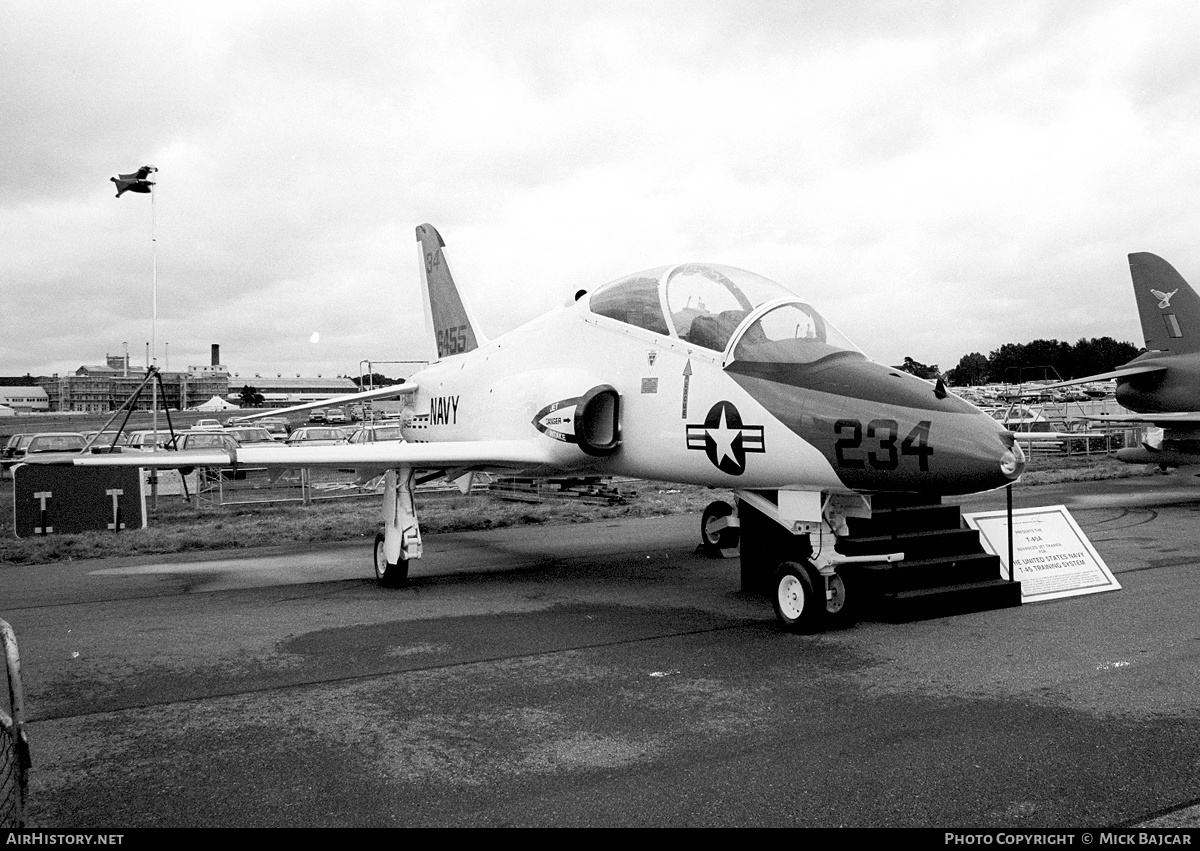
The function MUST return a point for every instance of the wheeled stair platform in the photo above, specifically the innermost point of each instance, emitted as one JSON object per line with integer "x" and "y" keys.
{"x": 945, "y": 570}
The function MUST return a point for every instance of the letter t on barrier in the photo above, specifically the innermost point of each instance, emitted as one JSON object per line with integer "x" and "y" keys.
{"x": 116, "y": 494}
{"x": 43, "y": 497}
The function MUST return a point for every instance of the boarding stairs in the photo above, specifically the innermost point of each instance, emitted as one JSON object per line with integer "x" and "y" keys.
{"x": 945, "y": 570}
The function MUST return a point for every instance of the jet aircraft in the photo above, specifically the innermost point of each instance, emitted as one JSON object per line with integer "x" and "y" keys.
{"x": 1162, "y": 385}
{"x": 696, "y": 373}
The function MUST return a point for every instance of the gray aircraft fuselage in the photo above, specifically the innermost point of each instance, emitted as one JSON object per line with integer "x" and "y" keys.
{"x": 1173, "y": 390}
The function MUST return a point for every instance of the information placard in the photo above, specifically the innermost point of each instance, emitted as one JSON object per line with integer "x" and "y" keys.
{"x": 1053, "y": 557}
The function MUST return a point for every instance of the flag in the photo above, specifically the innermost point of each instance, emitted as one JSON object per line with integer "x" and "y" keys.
{"x": 135, "y": 182}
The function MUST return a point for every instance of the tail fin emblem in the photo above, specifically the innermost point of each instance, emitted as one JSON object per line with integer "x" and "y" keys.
{"x": 1164, "y": 299}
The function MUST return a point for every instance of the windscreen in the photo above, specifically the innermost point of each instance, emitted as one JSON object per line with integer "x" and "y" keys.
{"x": 791, "y": 333}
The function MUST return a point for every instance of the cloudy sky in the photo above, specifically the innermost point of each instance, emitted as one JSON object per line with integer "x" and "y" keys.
{"x": 938, "y": 178}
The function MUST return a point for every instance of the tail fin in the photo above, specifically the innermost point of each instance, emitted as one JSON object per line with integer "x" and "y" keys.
{"x": 1168, "y": 307}
{"x": 454, "y": 328}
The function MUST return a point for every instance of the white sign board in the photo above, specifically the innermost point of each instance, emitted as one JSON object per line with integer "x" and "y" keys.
{"x": 1053, "y": 557}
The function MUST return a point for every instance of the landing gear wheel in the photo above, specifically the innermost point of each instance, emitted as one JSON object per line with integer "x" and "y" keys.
{"x": 839, "y": 610}
{"x": 715, "y": 538}
{"x": 389, "y": 575}
{"x": 799, "y": 605}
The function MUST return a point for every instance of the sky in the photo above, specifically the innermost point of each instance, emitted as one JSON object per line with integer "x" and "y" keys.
{"x": 937, "y": 178}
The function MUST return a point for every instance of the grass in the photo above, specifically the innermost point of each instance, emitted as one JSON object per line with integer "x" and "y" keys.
{"x": 180, "y": 527}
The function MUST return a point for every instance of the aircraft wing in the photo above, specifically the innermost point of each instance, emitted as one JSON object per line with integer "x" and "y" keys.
{"x": 1029, "y": 436}
{"x": 1120, "y": 372}
{"x": 1178, "y": 418}
{"x": 473, "y": 454}
{"x": 335, "y": 402}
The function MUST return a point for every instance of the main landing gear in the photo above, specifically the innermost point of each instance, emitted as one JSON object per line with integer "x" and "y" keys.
{"x": 787, "y": 548}
{"x": 400, "y": 539}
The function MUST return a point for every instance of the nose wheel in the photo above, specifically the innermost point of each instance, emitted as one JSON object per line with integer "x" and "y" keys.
{"x": 805, "y": 601}
{"x": 797, "y": 604}
{"x": 719, "y": 530}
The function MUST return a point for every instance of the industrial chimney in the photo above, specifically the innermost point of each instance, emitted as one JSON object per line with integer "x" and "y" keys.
{"x": 216, "y": 354}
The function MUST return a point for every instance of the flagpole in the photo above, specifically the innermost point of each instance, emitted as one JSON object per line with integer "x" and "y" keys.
{"x": 154, "y": 326}
{"x": 154, "y": 349}
{"x": 154, "y": 283}
{"x": 139, "y": 182}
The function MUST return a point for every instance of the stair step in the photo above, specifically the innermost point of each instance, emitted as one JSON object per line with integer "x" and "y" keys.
{"x": 926, "y": 573}
{"x": 902, "y": 500}
{"x": 919, "y": 518}
{"x": 916, "y": 545}
{"x": 922, "y": 603}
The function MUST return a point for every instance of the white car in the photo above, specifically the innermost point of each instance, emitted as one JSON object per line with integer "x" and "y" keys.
{"x": 147, "y": 440}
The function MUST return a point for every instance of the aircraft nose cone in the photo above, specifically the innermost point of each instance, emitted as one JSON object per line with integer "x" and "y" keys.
{"x": 883, "y": 430}
{"x": 1012, "y": 462}
{"x": 985, "y": 457}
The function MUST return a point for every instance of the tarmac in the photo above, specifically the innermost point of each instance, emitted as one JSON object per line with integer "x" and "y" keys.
{"x": 607, "y": 674}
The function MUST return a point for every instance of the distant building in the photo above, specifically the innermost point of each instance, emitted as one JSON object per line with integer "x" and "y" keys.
{"x": 97, "y": 388}
{"x": 23, "y": 395}
{"x": 281, "y": 392}
{"x": 105, "y": 387}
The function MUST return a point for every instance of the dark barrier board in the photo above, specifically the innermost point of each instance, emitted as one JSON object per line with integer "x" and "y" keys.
{"x": 56, "y": 500}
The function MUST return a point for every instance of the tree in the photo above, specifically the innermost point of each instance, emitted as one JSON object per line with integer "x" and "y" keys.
{"x": 1102, "y": 354}
{"x": 1052, "y": 359}
{"x": 972, "y": 370}
{"x": 375, "y": 379}
{"x": 919, "y": 369}
{"x": 250, "y": 397}
{"x": 1014, "y": 363}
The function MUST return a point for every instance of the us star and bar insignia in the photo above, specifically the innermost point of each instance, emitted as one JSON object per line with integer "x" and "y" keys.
{"x": 725, "y": 439}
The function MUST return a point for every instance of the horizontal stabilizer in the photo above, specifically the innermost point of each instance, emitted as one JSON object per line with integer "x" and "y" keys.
{"x": 1119, "y": 373}
{"x": 1179, "y": 418}
{"x": 334, "y": 402}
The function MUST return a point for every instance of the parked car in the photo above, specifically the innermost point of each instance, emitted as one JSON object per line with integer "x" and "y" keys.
{"x": 147, "y": 440}
{"x": 316, "y": 436}
{"x": 208, "y": 423}
{"x": 104, "y": 441}
{"x": 252, "y": 436}
{"x": 55, "y": 441}
{"x": 14, "y": 451}
{"x": 69, "y": 442}
{"x": 10, "y": 447}
{"x": 377, "y": 433}
{"x": 191, "y": 441}
{"x": 43, "y": 444}
{"x": 336, "y": 416}
{"x": 277, "y": 426}
{"x": 317, "y": 415}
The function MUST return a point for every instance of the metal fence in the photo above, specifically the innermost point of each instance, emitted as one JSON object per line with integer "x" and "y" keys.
{"x": 14, "y": 745}
{"x": 1100, "y": 441}
{"x": 214, "y": 488}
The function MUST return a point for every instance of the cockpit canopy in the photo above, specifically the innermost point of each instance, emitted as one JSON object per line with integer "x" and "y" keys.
{"x": 722, "y": 309}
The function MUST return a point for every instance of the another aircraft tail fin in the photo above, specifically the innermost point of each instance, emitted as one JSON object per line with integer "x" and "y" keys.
{"x": 1168, "y": 307}
{"x": 454, "y": 328}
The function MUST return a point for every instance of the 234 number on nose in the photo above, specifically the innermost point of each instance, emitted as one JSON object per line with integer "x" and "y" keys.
{"x": 879, "y": 448}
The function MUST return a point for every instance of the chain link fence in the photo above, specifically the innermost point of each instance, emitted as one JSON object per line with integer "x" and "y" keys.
{"x": 14, "y": 746}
